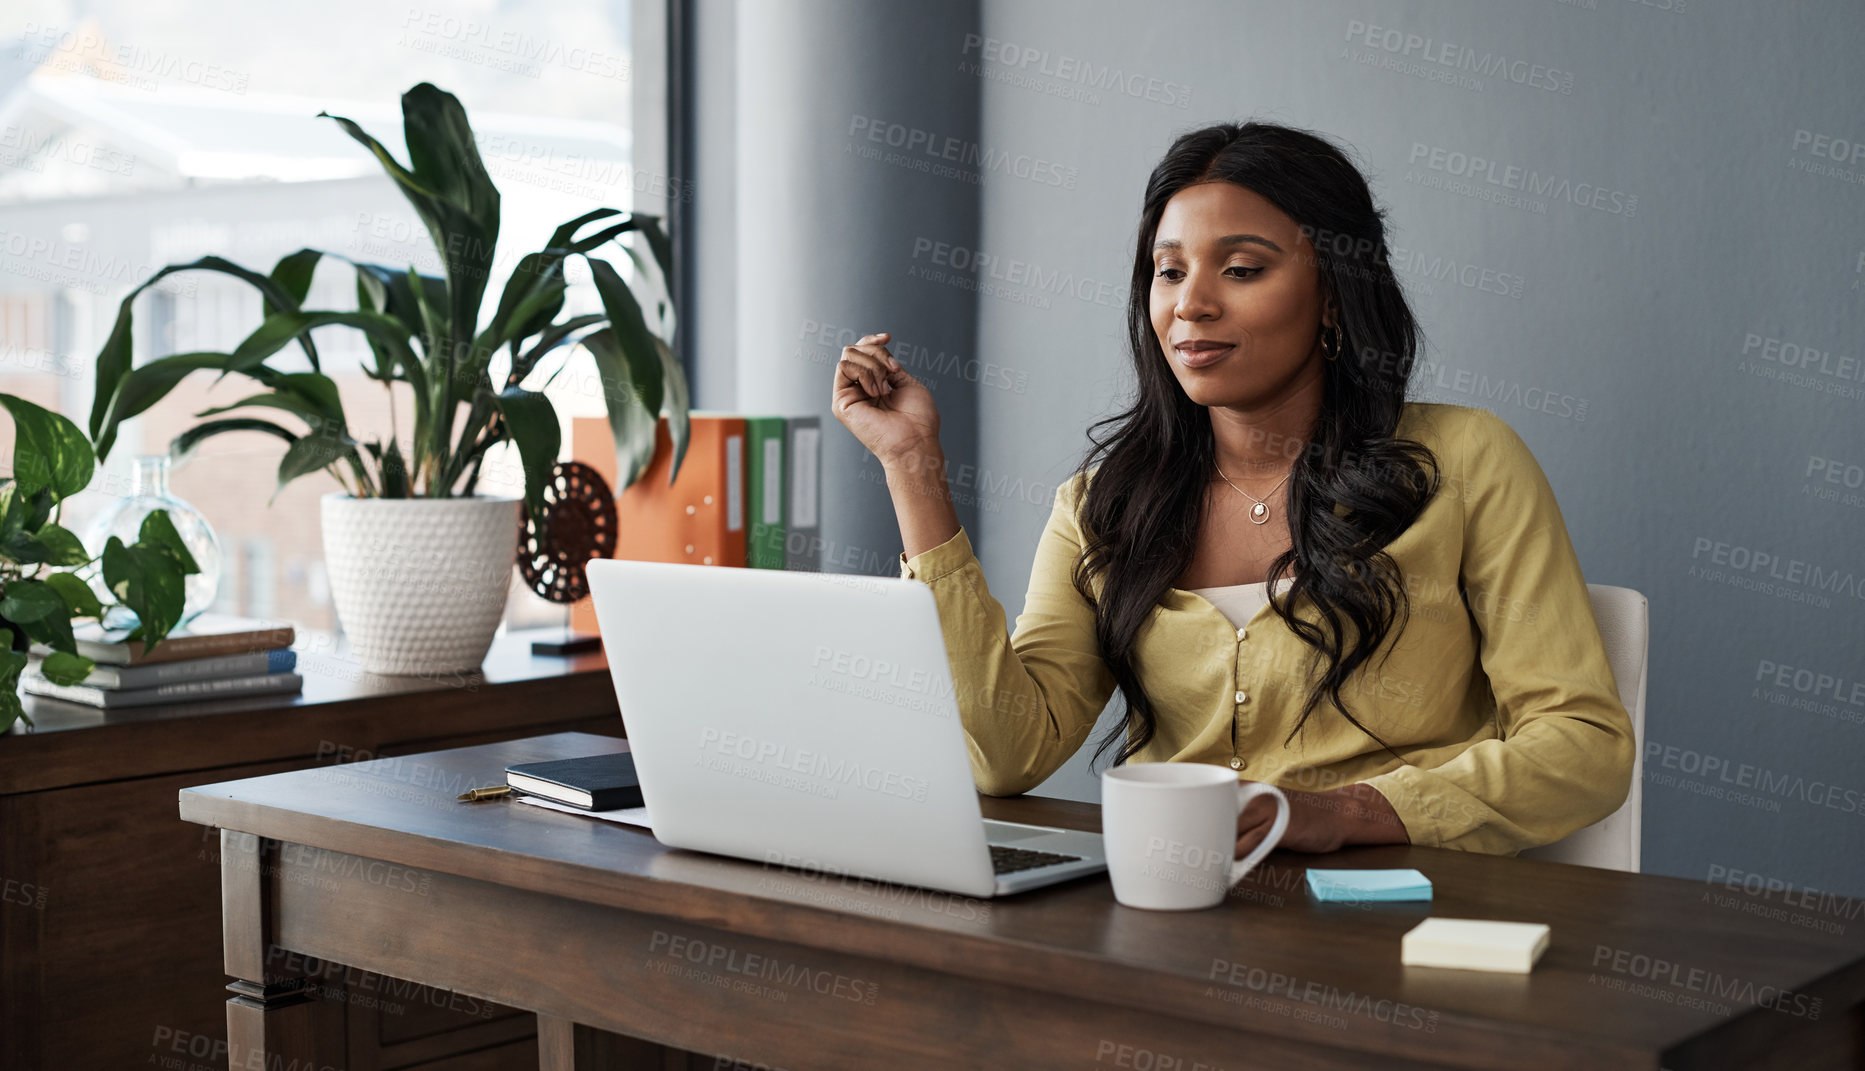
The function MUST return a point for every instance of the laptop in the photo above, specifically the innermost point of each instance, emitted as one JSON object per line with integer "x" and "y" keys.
{"x": 809, "y": 720}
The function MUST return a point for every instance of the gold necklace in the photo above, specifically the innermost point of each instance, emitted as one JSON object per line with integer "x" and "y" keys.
{"x": 1259, "y": 513}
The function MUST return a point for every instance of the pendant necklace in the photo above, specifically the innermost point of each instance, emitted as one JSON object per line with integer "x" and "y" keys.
{"x": 1259, "y": 513}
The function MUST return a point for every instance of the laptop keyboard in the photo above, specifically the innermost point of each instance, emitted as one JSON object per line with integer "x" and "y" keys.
{"x": 1007, "y": 860}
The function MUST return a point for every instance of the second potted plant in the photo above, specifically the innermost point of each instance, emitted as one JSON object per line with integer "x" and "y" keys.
{"x": 419, "y": 559}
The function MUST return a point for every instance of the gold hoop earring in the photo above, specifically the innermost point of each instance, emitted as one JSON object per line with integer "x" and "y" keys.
{"x": 1331, "y": 353}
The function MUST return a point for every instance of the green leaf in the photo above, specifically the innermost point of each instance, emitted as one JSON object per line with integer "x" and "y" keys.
{"x": 11, "y": 709}
{"x": 11, "y": 664}
{"x": 444, "y": 154}
{"x": 313, "y": 452}
{"x": 434, "y": 383}
{"x": 395, "y": 480}
{"x": 58, "y": 546}
{"x": 566, "y": 234}
{"x": 78, "y": 596}
{"x": 114, "y": 361}
{"x": 664, "y": 321}
{"x": 652, "y": 368}
{"x": 315, "y": 388}
{"x": 630, "y": 422}
{"x": 631, "y": 332}
{"x": 552, "y": 337}
{"x": 158, "y": 531}
{"x": 63, "y": 667}
{"x": 658, "y": 241}
{"x": 445, "y": 157}
{"x": 531, "y": 421}
{"x": 139, "y": 388}
{"x": 29, "y": 601}
{"x": 532, "y": 298}
{"x": 430, "y": 314}
{"x": 40, "y": 611}
{"x": 39, "y": 509}
{"x": 185, "y": 443}
{"x": 280, "y": 329}
{"x": 678, "y": 403}
{"x": 13, "y": 509}
{"x": 392, "y": 291}
{"x": 48, "y": 450}
{"x": 449, "y": 188}
{"x": 584, "y": 245}
{"x": 312, "y": 395}
{"x": 290, "y": 403}
{"x": 148, "y": 582}
{"x": 293, "y": 275}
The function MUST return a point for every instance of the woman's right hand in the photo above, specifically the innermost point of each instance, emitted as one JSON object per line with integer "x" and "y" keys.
{"x": 890, "y": 411}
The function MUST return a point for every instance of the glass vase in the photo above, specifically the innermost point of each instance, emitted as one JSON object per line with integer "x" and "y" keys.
{"x": 123, "y": 518}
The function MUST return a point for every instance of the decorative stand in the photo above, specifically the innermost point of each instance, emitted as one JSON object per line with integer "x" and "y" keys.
{"x": 578, "y": 524}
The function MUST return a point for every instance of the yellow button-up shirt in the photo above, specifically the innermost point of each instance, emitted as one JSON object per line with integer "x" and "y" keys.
{"x": 1498, "y": 692}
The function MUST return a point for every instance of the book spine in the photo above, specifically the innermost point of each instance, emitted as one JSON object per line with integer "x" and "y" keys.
{"x": 256, "y": 663}
{"x": 223, "y": 686}
{"x": 33, "y": 684}
{"x": 183, "y": 648}
{"x": 167, "y": 693}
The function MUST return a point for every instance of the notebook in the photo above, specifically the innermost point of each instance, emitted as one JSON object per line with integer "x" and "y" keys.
{"x": 590, "y": 783}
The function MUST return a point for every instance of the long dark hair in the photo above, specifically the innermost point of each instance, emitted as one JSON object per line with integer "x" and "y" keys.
{"x": 1142, "y": 507}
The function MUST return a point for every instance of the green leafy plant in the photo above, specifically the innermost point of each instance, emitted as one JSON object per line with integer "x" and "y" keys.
{"x": 424, "y": 331}
{"x": 41, "y": 587}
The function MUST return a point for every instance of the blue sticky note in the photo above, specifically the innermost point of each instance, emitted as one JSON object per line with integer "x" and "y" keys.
{"x": 1356, "y": 885}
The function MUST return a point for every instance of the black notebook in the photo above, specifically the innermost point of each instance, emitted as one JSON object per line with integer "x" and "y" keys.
{"x": 594, "y": 783}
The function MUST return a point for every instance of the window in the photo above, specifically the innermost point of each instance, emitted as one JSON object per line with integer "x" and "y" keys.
{"x": 130, "y": 139}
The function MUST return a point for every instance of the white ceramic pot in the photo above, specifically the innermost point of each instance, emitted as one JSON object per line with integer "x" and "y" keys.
{"x": 420, "y": 583}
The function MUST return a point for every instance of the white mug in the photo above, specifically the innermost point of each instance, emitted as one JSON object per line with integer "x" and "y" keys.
{"x": 1170, "y": 831}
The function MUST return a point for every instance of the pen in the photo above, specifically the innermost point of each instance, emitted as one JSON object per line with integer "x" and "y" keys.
{"x": 474, "y": 795}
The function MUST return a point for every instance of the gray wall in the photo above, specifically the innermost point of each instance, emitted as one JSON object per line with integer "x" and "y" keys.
{"x": 818, "y": 223}
{"x": 1675, "y": 327}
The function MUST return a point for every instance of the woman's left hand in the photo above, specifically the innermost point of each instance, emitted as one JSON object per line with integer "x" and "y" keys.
{"x": 1323, "y": 821}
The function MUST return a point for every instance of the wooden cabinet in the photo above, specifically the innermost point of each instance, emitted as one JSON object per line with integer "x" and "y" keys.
{"x": 110, "y": 928}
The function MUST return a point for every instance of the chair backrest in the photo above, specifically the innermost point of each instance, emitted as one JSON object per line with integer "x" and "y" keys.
{"x": 1624, "y": 618}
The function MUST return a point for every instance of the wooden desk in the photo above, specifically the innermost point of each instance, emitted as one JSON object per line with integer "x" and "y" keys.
{"x": 588, "y": 922}
{"x": 109, "y": 905}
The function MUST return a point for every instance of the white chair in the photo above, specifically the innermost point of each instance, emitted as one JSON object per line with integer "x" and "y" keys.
{"x": 1624, "y": 618}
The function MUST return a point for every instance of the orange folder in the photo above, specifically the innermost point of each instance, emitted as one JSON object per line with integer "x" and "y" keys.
{"x": 697, "y": 520}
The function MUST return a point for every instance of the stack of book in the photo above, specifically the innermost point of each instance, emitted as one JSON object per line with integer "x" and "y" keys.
{"x": 746, "y": 495}
{"x": 214, "y": 656}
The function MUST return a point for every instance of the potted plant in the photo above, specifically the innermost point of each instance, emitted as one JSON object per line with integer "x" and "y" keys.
{"x": 40, "y": 591}
{"x": 419, "y": 560}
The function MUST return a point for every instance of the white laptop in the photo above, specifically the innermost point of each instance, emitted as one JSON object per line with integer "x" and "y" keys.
{"x": 808, "y": 720}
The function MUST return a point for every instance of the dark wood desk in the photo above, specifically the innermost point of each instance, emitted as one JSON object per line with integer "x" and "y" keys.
{"x": 588, "y": 922}
{"x": 110, "y": 905}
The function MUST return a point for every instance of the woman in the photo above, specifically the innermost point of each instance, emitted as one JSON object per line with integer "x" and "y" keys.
{"x": 1427, "y": 668}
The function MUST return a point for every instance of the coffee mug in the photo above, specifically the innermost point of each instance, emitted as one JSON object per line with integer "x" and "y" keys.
{"x": 1170, "y": 830}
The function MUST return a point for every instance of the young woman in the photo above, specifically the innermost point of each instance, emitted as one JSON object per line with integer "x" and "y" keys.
{"x": 1426, "y": 669}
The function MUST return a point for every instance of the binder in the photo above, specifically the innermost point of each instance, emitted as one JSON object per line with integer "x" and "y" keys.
{"x": 765, "y": 490}
{"x": 698, "y": 520}
{"x": 803, "y": 533}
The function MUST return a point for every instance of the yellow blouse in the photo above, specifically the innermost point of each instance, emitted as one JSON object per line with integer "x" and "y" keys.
{"x": 1498, "y": 693}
